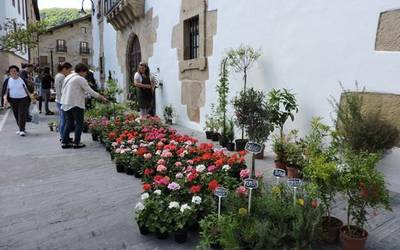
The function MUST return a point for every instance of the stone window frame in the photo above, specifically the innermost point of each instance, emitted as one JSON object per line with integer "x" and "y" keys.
{"x": 200, "y": 62}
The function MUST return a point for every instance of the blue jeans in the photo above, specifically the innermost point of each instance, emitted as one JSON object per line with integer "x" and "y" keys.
{"x": 73, "y": 116}
{"x": 61, "y": 119}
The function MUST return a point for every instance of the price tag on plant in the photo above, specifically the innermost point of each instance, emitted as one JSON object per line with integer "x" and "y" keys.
{"x": 251, "y": 183}
{"x": 294, "y": 182}
{"x": 221, "y": 192}
{"x": 279, "y": 172}
{"x": 253, "y": 147}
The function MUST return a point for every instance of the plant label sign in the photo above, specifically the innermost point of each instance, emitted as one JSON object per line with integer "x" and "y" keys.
{"x": 279, "y": 172}
{"x": 294, "y": 182}
{"x": 221, "y": 192}
{"x": 253, "y": 147}
{"x": 251, "y": 183}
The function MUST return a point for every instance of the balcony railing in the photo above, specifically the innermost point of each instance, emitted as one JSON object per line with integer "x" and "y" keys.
{"x": 61, "y": 48}
{"x": 84, "y": 50}
{"x": 121, "y": 13}
{"x": 109, "y": 5}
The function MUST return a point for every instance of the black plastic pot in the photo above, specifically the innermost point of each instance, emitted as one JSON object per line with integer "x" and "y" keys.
{"x": 162, "y": 236}
{"x": 95, "y": 137}
{"x": 129, "y": 171}
{"x": 51, "y": 128}
{"x": 215, "y": 246}
{"x": 215, "y": 137}
{"x": 143, "y": 230}
{"x": 230, "y": 146}
{"x": 240, "y": 144}
{"x": 112, "y": 156}
{"x": 223, "y": 141}
{"x": 101, "y": 140}
{"x": 181, "y": 236}
{"x": 85, "y": 128}
{"x": 120, "y": 168}
{"x": 209, "y": 134}
{"x": 108, "y": 148}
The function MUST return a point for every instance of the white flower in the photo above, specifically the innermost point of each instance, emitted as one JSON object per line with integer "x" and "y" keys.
{"x": 139, "y": 206}
{"x": 158, "y": 152}
{"x": 151, "y": 143}
{"x": 196, "y": 199}
{"x": 144, "y": 196}
{"x": 179, "y": 176}
{"x": 226, "y": 167}
{"x": 184, "y": 207}
{"x": 173, "y": 204}
{"x": 200, "y": 168}
{"x": 134, "y": 151}
{"x": 157, "y": 192}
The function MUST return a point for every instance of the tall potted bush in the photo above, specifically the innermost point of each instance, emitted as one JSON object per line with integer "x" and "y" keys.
{"x": 252, "y": 114}
{"x": 364, "y": 188}
{"x": 282, "y": 105}
{"x": 321, "y": 170}
{"x": 242, "y": 60}
{"x": 212, "y": 124}
{"x": 223, "y": 91}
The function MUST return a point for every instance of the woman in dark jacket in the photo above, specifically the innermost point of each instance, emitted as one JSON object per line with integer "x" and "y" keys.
{"x": 145, "y": 89}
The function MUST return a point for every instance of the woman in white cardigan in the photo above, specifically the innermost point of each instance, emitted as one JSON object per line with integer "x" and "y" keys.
{"x": 73, "y": 103}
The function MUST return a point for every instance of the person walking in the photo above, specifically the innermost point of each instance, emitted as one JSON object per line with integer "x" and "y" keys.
{"x": 4, "y": 87}
{"x": 73, "y": 103}
{"x": 18, "y": 96}
{"x": 46, "y": 87}
{"x": 63, "y": 71}
{"x": 145, "y": 89}
{"x": 38, "y": 88}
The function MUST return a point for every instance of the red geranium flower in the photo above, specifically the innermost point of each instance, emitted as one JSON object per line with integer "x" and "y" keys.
{"x": 111, "y": 135}
{"x": 148, "y": 171}
{"x": 141, "y": 151}
{"x": 213, "y": 185}
{"x": 195, "y": 189}
{"x": 146, "y": 186}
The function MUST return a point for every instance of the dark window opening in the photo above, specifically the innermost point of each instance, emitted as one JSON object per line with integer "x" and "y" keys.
{"x": 61, "y": 46}
{"x": 191, "y": 38}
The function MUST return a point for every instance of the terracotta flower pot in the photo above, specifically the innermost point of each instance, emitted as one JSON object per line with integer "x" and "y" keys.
{"x": 331, "y": 229}
{"x": 353, "y": 243}
{"x": 292, "y": 172}
{"x": 280, "y": 165}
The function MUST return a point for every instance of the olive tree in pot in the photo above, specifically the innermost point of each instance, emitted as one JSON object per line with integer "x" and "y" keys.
{"x": 212, "y": 124}
{"x": 252, "y": 114}
{"x": 322, "y": 172}
{"x": 282, "y": 105}
{"x": 364, "y": 188}
{"x": 230, "y": 134}
{"x": 241, "y": 60}
{"x": 223, "y": 91}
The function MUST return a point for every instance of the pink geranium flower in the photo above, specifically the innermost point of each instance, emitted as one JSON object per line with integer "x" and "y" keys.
{"x": 244, "y": 173}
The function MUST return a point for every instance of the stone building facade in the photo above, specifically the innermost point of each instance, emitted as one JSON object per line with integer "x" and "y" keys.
{"x": 69, "y": 42}
{"x": 305, "y": 46}
{"x": 22, "y": 12}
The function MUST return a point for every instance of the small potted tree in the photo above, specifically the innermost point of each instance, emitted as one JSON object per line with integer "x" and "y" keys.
{"x": 252, "y": 114}
{"x": 223, "y": 91}
{"x": 282, "y": 105}
{"x": 230, "y": 135}
{"x": 212, "y": 124}
{"x": 241, "y": 60}
{"x": 364, "y": 188}
{"x": 294, "y": 159}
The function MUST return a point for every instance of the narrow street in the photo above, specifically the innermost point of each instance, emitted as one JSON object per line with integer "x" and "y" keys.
{"x": 65, "y": 199}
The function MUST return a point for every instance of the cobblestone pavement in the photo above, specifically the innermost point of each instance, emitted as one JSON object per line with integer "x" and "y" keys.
{"x": 73, "y": 199}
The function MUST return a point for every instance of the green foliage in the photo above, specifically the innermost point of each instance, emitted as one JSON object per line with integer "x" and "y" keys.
{"x": 168, "y": 113}
{"x": 112, "y": 90}
{"x": 20, "y": 38}
{"x": 242, "y": 59}
{"x": 57, "y": 16}
{"x": 230, "y": 130}
{"x": 212, "y": 120}
{"x": 223, "y": 91}
{"x": 362, "y": 131}
{"x": 105, "y": 110}
{"x": 252, "y": 114}
{"x": 289, "y": 149}
{"x": 210, "y": 231}
{"x": 282, "y": 105}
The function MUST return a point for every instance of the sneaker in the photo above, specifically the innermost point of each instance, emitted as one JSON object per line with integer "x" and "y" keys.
{"x": 66, "y": 145}
{"x": 80, "y": 145}
{"x": 18, "y": 132}
{"x": 22, "y": 133}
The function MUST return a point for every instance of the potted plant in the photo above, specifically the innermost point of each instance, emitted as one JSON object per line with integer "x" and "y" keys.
{"x": 322, "y": 172}
{"x": 364, "y": 188}
{"x": 282, "y": 105}
{"x": 294, "y": 159}
{"x": 223, "y": 91}
{"x": 212, "y": 124}
{"x": 168, "y": 114}
{"x": 182, "y": 217}
{"x": 230, "y": 135}
{"x": 210, "y": 231}
{"x": 242, "y": 60}
{"x": 278, "y": 146}
{"x": 252, "y": 114}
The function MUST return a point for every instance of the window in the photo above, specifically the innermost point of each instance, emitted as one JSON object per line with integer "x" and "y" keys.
{"x": 61, "y": 59}
{"x": 84, "y": 48}
{"x": 85, "y": 61}
{"x": 13, "y": 3}
{"x": 19, "y": 6}
{"x": 83, "y": 30}
{"x": 43, "y": 60}
{"x": 61, "y": 46}
{"x": 191, "y": 38}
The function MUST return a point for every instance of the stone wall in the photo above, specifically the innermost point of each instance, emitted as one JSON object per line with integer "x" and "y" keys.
{"x": 388, "y": 35}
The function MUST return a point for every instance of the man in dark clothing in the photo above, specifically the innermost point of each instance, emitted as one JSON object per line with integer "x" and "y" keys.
{"x": 46, "y": 87}
{"x": 26, "y": 75}
{"x": 92, "y": 83}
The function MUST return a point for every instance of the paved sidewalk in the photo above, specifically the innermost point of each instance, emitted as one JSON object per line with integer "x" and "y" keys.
{"x": 66, "y": 199}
